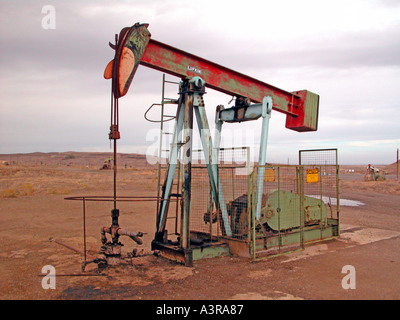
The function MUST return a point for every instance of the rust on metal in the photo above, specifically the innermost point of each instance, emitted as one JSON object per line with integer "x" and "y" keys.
{"x": 136, "y": 47}
{"x": 129, "y": 47}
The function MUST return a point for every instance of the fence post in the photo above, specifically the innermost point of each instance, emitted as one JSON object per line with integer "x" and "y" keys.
{"x": 279, "y": 211}
{"x": 253, "y": 217}
{"x": 301, "y": 193}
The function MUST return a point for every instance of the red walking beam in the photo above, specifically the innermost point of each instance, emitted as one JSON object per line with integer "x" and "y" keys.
{"x": 301, "y": 107}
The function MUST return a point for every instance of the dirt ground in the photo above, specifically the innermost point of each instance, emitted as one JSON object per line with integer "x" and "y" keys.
{"x": 33, "y": 209}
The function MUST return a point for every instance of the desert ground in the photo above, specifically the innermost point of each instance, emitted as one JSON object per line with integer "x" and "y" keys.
{"x": 33, "y": 209}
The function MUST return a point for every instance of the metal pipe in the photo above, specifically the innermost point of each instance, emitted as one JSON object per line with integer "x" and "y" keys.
{"x": 76, "y": 275}
{"x": 84, "y": 231}
{"x": 115, "y": 174}
{"x": 116, "y": 231}
{"x": 133, "y": 235}
{"x": 66, "y": 246}
{"x": 111, "y": 198}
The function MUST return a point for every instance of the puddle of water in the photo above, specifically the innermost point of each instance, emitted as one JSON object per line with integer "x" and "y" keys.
{"x": 333, "y": 201}
{"x": 350, "y": 203}
{"x": 350, "y": 235}
{"x": 367, "y": 235}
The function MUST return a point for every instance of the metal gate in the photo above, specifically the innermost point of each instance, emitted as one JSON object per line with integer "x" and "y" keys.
{"x": 300, "y": 204}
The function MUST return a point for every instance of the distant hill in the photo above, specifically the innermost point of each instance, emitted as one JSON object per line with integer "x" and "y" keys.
{"x": 76, "y": 159}
{"x": 391, "y": 168}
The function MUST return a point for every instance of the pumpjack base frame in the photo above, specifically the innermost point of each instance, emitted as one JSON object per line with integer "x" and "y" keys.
{"x": 291, "y": 241}
{"x": 174, "y": 252}
{"x": 261, "y": 248}
{"x": 243, "y": 248}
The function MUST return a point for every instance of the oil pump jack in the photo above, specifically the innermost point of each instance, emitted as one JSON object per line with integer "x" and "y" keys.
{"x": 254, "y": 99}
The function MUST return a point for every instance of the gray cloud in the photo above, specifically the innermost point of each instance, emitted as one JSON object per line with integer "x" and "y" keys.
{"x": 363, "y": 49}
{"x": 54, "y": 96}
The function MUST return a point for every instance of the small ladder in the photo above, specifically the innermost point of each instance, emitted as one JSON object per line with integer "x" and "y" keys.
{"x": 167, "y": 136}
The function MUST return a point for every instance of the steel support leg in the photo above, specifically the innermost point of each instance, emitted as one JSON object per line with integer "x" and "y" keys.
{"x": 187, "y": 170}
{"x": 211, "y": 156}
{"x": 266, "y": 115}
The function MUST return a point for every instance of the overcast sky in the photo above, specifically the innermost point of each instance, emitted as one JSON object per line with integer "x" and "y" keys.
{"x": 53, "y": 96}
